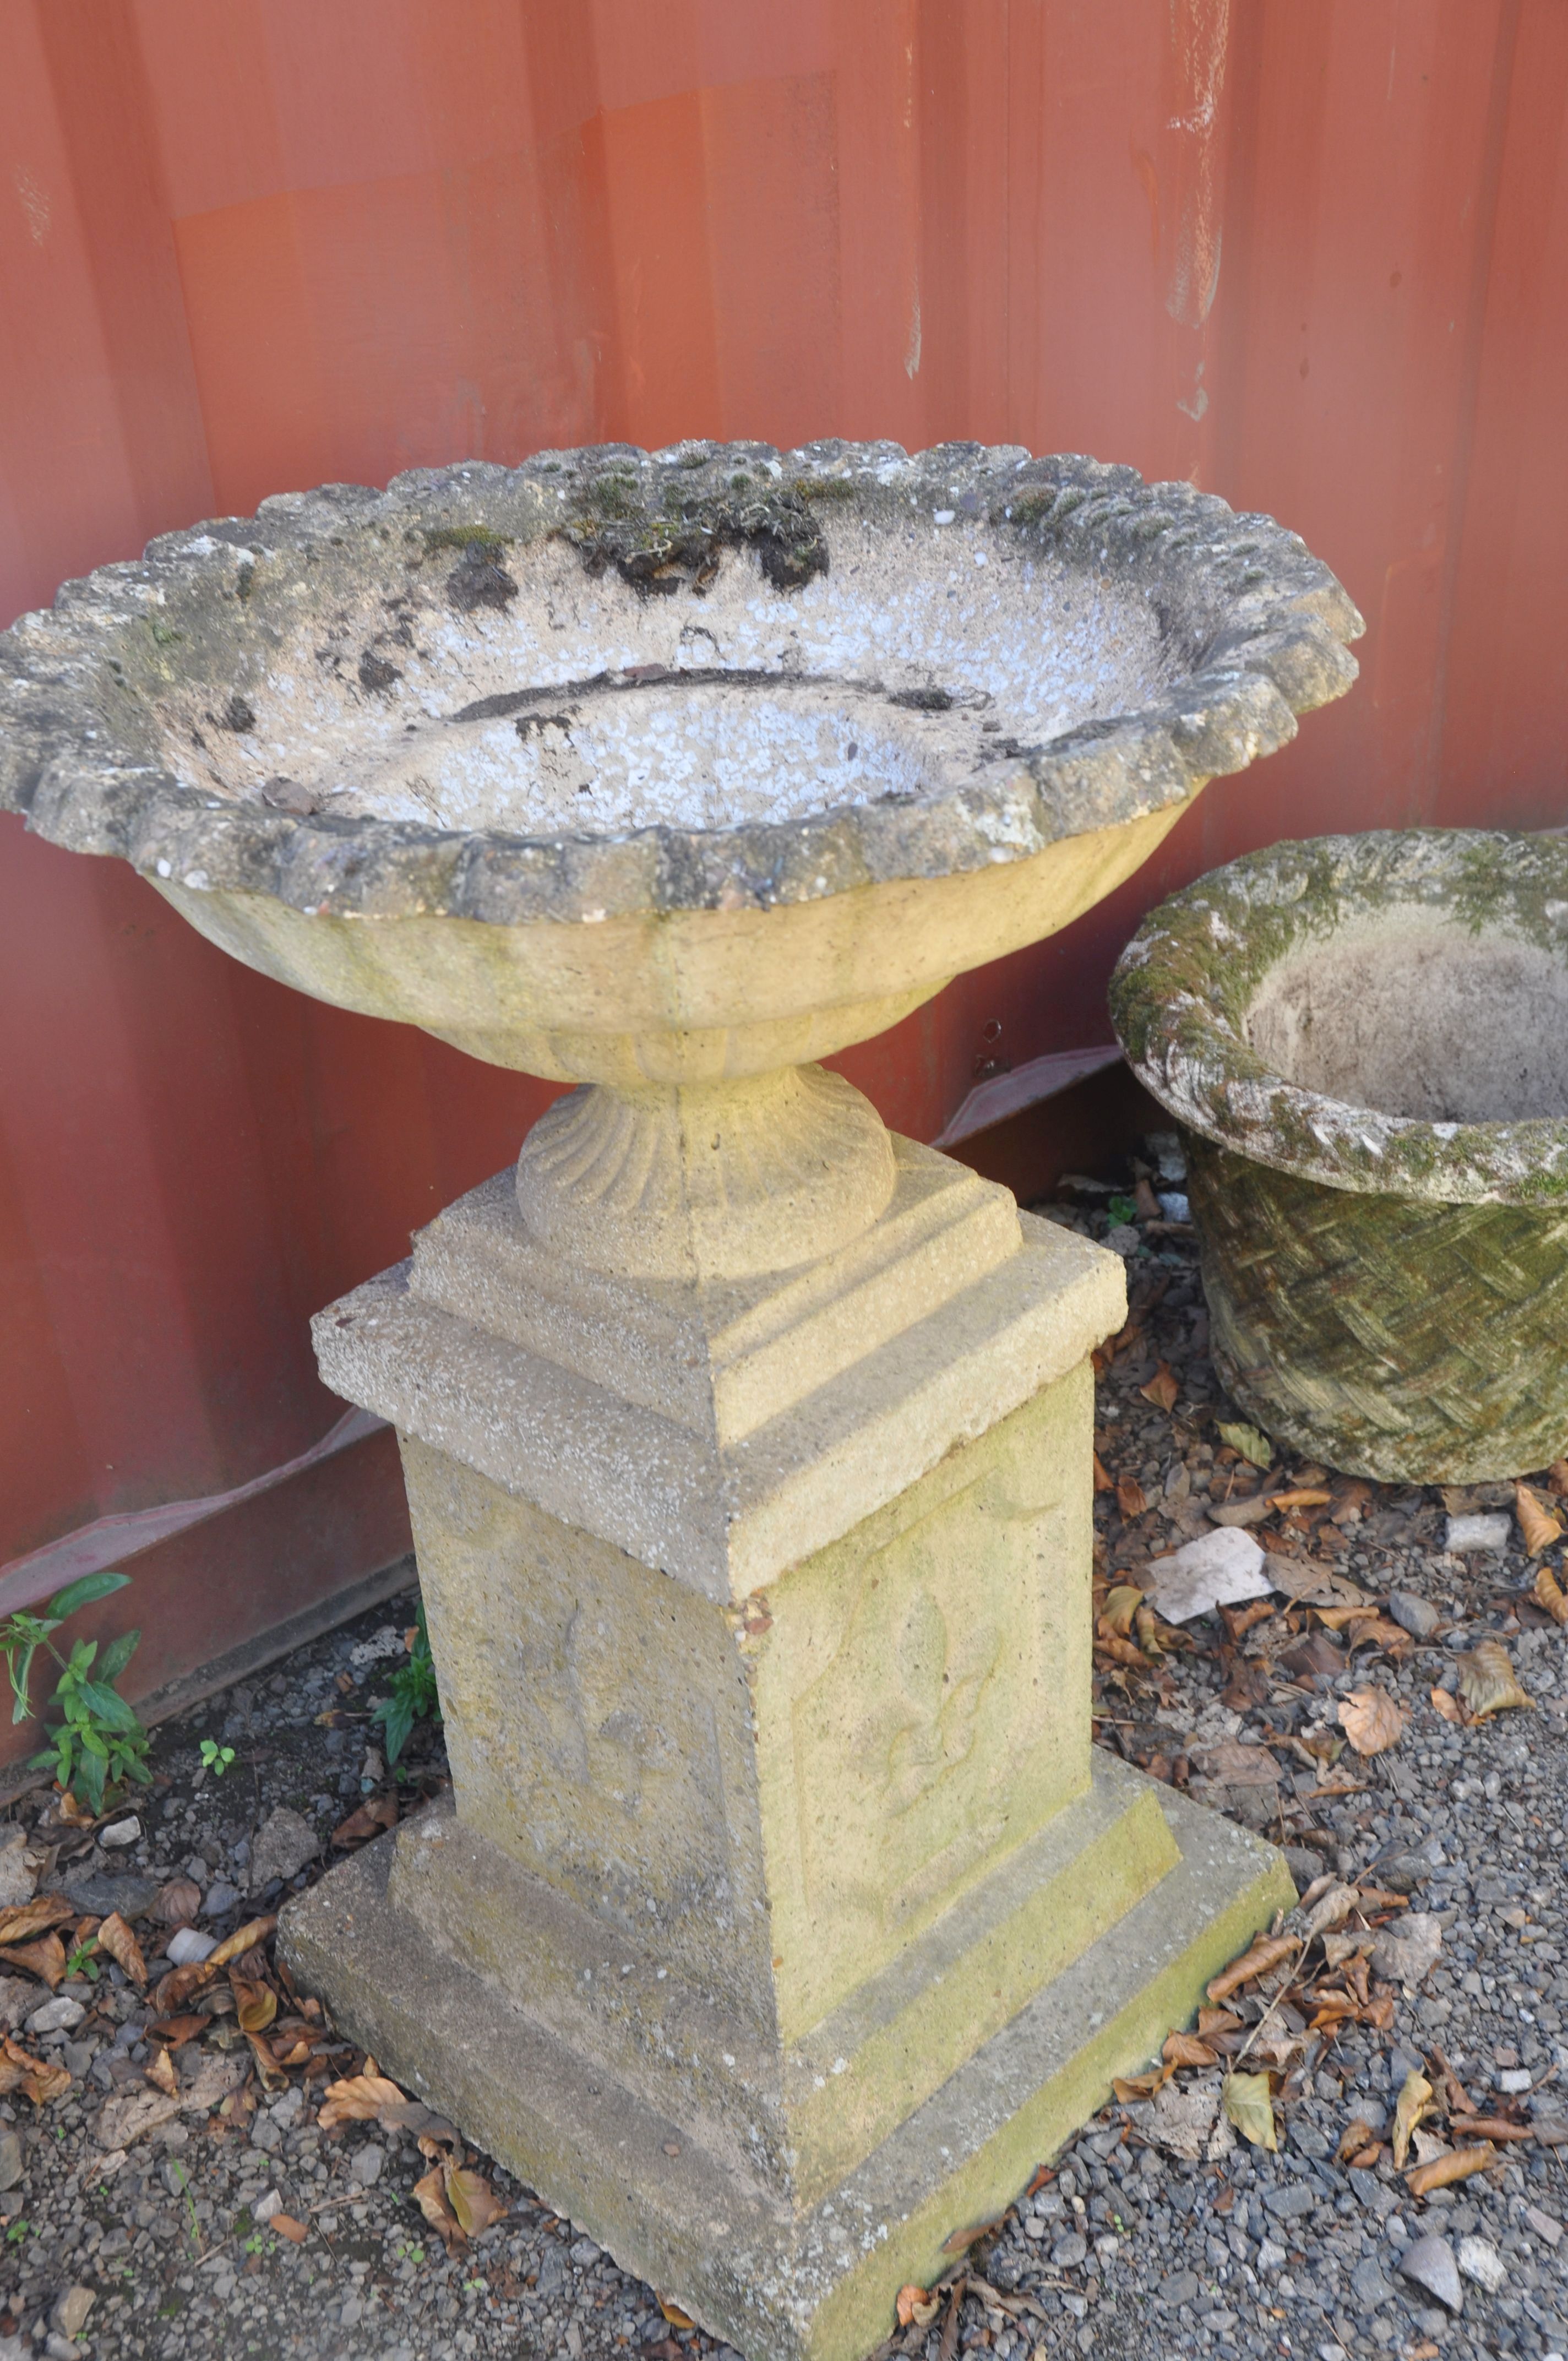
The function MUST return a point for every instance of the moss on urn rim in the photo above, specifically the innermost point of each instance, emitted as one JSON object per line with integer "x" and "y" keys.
{"x": 1258, "y": 623}
{"x": 1184, "y": 989}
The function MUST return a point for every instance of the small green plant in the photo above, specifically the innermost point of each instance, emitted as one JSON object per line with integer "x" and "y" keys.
{"x": 216, "y": 1758}
{"x": 413, "y": 1696}
{"x": 98, "y": 1743}
{"x": 1122, "y": 1211}
{"x": 17, "y": 2231}
{"x": 83, "y": 1962}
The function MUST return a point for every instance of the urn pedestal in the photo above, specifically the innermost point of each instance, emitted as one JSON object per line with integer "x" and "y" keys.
{"x": 782, "y": 1915}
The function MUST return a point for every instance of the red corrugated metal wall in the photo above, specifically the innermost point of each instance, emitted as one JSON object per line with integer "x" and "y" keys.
{"x": 1313, "y": 257}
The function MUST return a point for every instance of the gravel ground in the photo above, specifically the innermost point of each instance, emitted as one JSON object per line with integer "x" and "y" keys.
{"x": 1125, "y": 2249}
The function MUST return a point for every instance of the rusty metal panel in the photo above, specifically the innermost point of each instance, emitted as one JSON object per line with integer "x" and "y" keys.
{"x": 1313, "y": 258}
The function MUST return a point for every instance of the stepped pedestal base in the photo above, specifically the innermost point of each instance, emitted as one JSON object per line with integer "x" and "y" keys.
{"x": 778, "y": 2281}
{"x": 784, "y": 1918}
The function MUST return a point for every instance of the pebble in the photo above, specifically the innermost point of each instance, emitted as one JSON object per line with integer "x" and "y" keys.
{"x": 1480, "y": 2261}
{"x": 1417, "y": 1616}
{"x": 1430, "y": 2262}
{"x": 365, "y": 2163}
{"x": 1486, "y": 1529}
{"x": 121, "y": 1832}
{"x": 1545, "y": 2225}
{"x": 1068, "y": 2252}
{"x": 72, "y": 2308}
{"x": 1218, "y": 1569}
{"x": 13, "y": 2157}
{"x": 1514, "y": 2079}
{"x": 285, "y": 1844}
{"x": 60, "y": 2015}
{"x": 221, "y": 1898}
{"x": 16, "y": 1880}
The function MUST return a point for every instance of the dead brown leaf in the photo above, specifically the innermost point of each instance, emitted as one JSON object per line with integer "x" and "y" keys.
{"x": 1116, "y": 1616}
{"x": 177, "y": 2030}
{"x": 286, "y": 2227}
{"x": 1549, "y": 1594}
{"x": 1185, "y": 2049}
{"x": 115, "y": 1938}
{"x": 1487, "y": 1680}
{"x": 45, "y": 1959}
{"x": 430, "y": 2196}
{"x": 1131, "y": 1498}
{"x": 20, "y": 2070}
{"x": 1492, "y": 2128}
{"x": 1162, "y": 1388}
{"x": 915, "y": 2308}
{"x": 359, "y": 2099}
{"x": 372, "y": 1819}
{"x": 25, "y": 1918}
{"x": 1448, "y": 1706}
{"x": 1352, "y": 2139}
{"x": 178, "y": 1902}
{"x": 255, "y": 2004}
{"x": 1444, "y": 2170}
{"x": 1557, "y": 1477}
{"x": 1305, "y": 1500}
{"x": 234, "y": 1946}
{"x": 272, "y": 2075}
{"x": 1104, "y": 1479}
{"x": 475, "y": 2205}
{"x": 1414, "y": 2105}
{"x": 1131, "y": 2088}
{"x": 1265, "y": 1953}
{"x": 1541, "y": 1529}
{"x": 161, "y": 2074}
{"x": 1372, "y": 1720}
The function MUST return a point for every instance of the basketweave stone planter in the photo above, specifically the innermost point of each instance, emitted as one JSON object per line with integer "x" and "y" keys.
{"x": 784, "y": 1915}
{"x": 1364, "y": 1038}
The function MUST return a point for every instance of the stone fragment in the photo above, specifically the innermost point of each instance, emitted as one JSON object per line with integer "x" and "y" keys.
{"x": 365, "y": 2165}
{"x": 1270, "y": 2257}
{"x": 60, "y": 2015}
{"x": 98, "y": 1895}
{"x": 1479, "y": 2260}
{"x": 13, "y": 2157}
{"x": 1429, "y": 2263}
{"x": 188, "y": 1945}
{"x": 1545, "y": 2225}
{"x": 1515, "y": 2080}
{"x": 1370, "y": 2286}
{"x": 16, "y": 1880}
{"x": 265, "y": 2207}
{"x": 221, "y": 1898}
{"x": 1408, "y": 1950}
{"x": 1291, "y": 2201}
{"x": 285, "y": 1843}
{"x": 120, "y": 1833}
{"x": 1178, "y": 2289}
{"x": 1417, "y": 1616}
{"x": 1068, "y": 2252}
{"x": 1487, "y": 1530}
{"x": 72, "y": 2308}
{"x": 17, "y": 1995}
{"x": 1218, "y": 1569}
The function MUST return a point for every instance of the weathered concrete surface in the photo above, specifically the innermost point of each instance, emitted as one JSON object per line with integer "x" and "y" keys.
{"x": 723, "y": 1433}
{"x": 548, "y": 759}
{"x": 1365, "y": 1036}
{"x": 816, "y": 2277}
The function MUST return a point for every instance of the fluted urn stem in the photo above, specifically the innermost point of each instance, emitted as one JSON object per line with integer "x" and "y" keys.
{"x": 707, "y": 1180}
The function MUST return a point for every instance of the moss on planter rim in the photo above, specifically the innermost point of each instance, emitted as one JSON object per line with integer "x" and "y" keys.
{"x": 1387, "y": 1294}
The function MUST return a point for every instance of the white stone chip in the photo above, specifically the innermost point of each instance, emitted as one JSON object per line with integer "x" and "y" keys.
{"x": 1216, "y": 1570}
{"x": 186, "y": 1946}
{"x": 1490, "y": 1530}
{"x": 122, "y": 1832}
{"x": 1479, "y": 2260}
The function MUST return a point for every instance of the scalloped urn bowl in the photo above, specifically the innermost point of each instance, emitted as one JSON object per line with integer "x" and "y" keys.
{"x": 668, "y": 775}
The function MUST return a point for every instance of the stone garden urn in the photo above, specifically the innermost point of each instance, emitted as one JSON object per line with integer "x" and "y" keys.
{"x": 1363, "y": 1035}
{"x": 782, "y": 1915}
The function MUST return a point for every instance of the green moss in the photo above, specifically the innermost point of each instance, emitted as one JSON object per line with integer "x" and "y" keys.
{"x": 823, "y": 487}
{"x": 463, "y": 536}
{"x": 679, "y": 544}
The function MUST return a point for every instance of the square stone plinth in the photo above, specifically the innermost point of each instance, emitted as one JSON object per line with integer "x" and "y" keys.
{"x": 784, "y": 1915}
{"x": 504, "y": 2036}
